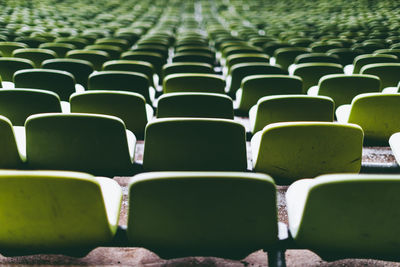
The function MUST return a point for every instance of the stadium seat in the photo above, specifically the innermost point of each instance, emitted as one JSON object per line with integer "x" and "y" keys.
{"x": 143, "y": 67}
{"x": 9, "y": 65}
{"x": 36, "y": 55}
{"x": 286, "y": 56}
{"x": 387, "y": 72}
{"x": 7, "y": 48}
{"x": 362, "y": 60}
{"x": 96, "y": 57}
{"x": 194, "y": 82}
{"x": 12, "y": 143}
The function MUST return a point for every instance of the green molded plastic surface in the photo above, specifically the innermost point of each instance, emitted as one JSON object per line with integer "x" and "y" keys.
{"x": 113, "y": 51}
{"x": 120, "y": 80}
{"x": 316, "y": 58}
{"x": 362, "y": 60}
{"x": 256, "y": 86}
{"x": 78, "y": 42}
{"x": 346, "y": 215}
{"x": 281, "y": 108}
{"x": 173, "y": 144}
{"x": 186, "y": 67}
{"x": 194, "y": 82}
{"x": 343, "y": 88}
{"x": 394, "y": 142}
{"x": 128, "y": 106}
{"x": 377, "y": 114}
{"x": 36, "y": 55}
{"x": 286, "y": 56}
{"x": 246, "y": 58}
{"x": 59, "y": 48}
{"x": 59, "y": 82}
{"x": 222, "y": 214}
{"x": 289, "y": 151}
{"x": 10, "y": 157}
{"x": 81, "y": 69}
{"x": 121, "y": 43}
{"x": 242, "y": 70}
{"x": 9, "y": 65}
{"x": 387, "y": 72}
{"x": 205, "y": 105}
{"x": 18, "y": 104}
{"x": 310, "y": 73}
{"x": 96, "y": 57}
{"x": 193, "y": 57}
{"x": 91, "y": 143}
{"x": 48, "y": 211}
{"x": 155, "y": 59}
{"x": 7, "y": 48}
{"x": 131, "y": 65}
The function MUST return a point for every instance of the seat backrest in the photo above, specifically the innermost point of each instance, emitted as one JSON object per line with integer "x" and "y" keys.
{"x": 346, "y": 215}
{"x": 195, "y": 144}
{"x": 129, "y": 107}
{"x": 91, "y": 143}
{"x": 131, "y": 65}
{"x": 59, "y": 82}
{"x": 120, "y": 80}
{"x": 154, "y": 58}
{"x": 377, "y": 114}
{"x": 206, "y": 105}
{"x": 194, "y": 82}
{"x": 36, "y": 55}
{"x": 343, "y": 88}
{"x": 316, "y": 58}
{"x": 346, "y": 55}
{"x": 96, "y": 57}
{"x": 286, "y": 56}
{"x": 311, "y": 149}
{"x": 281, "y": 108}
{"x": 186, "y": 67}
{"x": 169, "y": 213}
{"x": 18, "y": 104}
{"x": 49, "y": 211}
{"x": 59, "y": 48}
{"x": 10, "y": 156}
{"x": 310, "y": 73}
{"x": 387, "y": 72}
{"x": 362, "y": 60}
{"x": 7, "y": 48}
{"x": 193, "y": 57}
{"x": 9, "y": 65}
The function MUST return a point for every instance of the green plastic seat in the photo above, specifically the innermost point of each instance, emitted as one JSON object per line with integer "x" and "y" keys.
{"x": 159, "y": 49}
{"x": 60, "y": 49}
{"x": 80, "y": 69}
{"x": 391, "y": 51}
{"x": 324, "y": 47}
{"x": 121, "y": 81}
{"x": 193, "y": 57}
{"x": 206, "y": 105}
{"x": 12, "y": 154}
{"x": 112, "y": 50}
{"x": 316, "y": 58}
{"x": 289, "y": 151}
{"x": 186, "y": 67}
{"x": 129, "y": 107}
{"x": 376, "y": 113}
{"x": 394, "y": 142}
{"x": 18, "y": 104}
{"x": 194, "y": 82}
{"x": 96, "y": 57}
{"x": 131, "y": 65}
{"x": 78, "y": 42}
{"x": 170, "y": 213}
{"x": 36, "y": 55}
{"x": 287, "y": 55}
{"x": 346, "y": 55}
{"x": 281, "y": 108}
{"x": 343, "y": 88}
{"x": 9, "y": 65}
{"x": 256, "y": 86}
{"x": 93, "y": 143}
{"x": 362, "y": 60}
{"x": 195, "y": 144}
{"x": 242, "y": 70}
{"x": 156, "y": 59}
{"x": 232, "y": 50}
{"x": 246, "y": 58}
{"x": 387, "y": 72}
{"x": 346, "y": 215}
{"x": 121, "y": 43}
{"x": 7, "y": 48}
{"x": 60, "y": 82}
{"x": 57, "y": 212}
{"x": 310, "y": 73}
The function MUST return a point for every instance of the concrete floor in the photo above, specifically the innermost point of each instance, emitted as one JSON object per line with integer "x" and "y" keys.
{"x": 143, "y": 257}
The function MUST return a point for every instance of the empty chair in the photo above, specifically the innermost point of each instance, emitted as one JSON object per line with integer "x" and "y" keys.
{"x": 7, "y": 48}
{"x": 206, "y": 105}
{"x": 93, "y": 143}
{"x": 80, "y": 69}
{"x": 113, "y": 51}
{"x": 310, "y": 73}
{"x": 256, "y": 86}
{"x": 158, "y": 200}
{"x": 281, "y": 108}
{"x": 186, "y": 67}
{"x": 121, "y": 43}
{"x": 36, "y": 55}
{"x": 60, "y": 82}
{"x": 96, "y": 57}
{"x": 78, "y": 42}
{"x": 343, "y": 88}
{"x": 12, "y": 155}
{"x": 286, "y": 56}
{"x": 155, "y": 59}
{"x": 394, "y": 142}
{"x": 194, "y": 82}
{"x": 316, "y": 58}
{"x": 57, "y": 212}
{"x": 128, "y": 106}
{"x": 246, "y": 58}
{"x": 311, "y": 149}
{"x": 387, "y": 72}
{"x": 193, "y": 57}
{"x": 346, "y": 55}
{"x": 196, "y": 144}
{"x": 362, "y": 60}
{"x": 242, "y": 70}
{"x": 376, "y": 113}
{"x": 60, "y": 49}
{"x": 159, "y": 49}
{"x": 19, "y": 104}
{"x": 121, "y": 81}
{"x": 131, "y": 65}
{"x": 9, "y": 65}
{"x": 346, "y": 215}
